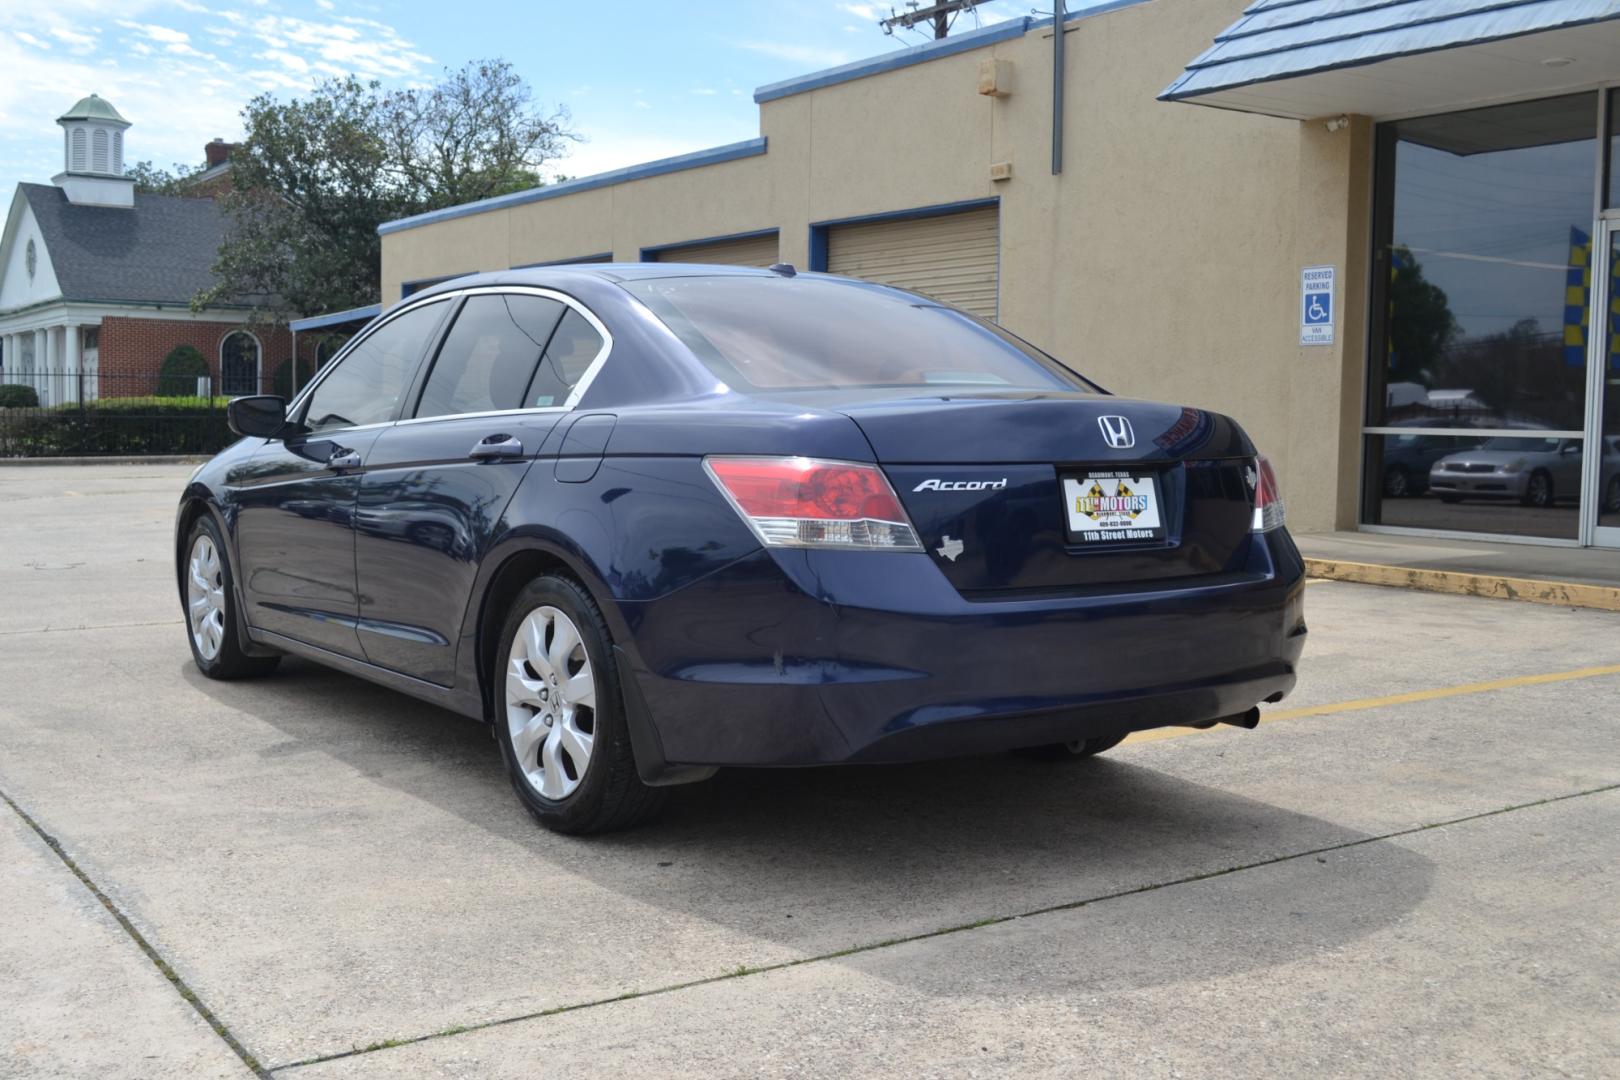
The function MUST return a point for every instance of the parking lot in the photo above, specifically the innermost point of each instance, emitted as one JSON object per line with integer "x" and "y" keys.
{"x": 1410, "y": 869}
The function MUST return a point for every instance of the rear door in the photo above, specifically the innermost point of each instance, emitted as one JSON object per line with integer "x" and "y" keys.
{"x": 295, "y": 517}
{"x": 438, "y": 482}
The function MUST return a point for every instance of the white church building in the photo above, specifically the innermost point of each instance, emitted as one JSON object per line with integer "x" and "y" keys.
{"x": 96, "y": 279}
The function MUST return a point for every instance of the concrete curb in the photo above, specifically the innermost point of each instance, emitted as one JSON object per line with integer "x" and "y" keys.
{"x": 1560, "y": 593}
{"x": 155, "y": 459}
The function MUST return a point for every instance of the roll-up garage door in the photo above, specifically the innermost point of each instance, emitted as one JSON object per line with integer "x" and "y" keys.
{"x": 950, "y": 257}
{"x": 742, "y": 251}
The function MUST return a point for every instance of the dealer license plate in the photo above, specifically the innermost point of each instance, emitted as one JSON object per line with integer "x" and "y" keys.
{"x": 1113, "y": 506}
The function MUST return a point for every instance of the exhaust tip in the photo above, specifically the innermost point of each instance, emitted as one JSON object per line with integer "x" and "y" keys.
{"x": 1249, "y": 720}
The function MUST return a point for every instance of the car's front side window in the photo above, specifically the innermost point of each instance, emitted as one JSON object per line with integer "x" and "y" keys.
{"x": 367, "y": 384}
{"x": 490, "y": 355}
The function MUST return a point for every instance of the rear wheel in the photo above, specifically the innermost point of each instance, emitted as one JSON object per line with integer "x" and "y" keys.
{"x": 1397, "y": 483}
{"x": 210, "y": 616}
{"x": 1074, "y": 750}
{"x": 1611, "y": 495}
{"x": 560, "y": 719}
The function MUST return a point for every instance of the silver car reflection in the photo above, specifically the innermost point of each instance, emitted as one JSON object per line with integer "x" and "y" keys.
{"x": 1535, "y": 471}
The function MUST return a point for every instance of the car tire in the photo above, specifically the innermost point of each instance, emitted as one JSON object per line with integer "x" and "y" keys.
{"x": 1538, "y": 490}
{"x": 1076, "y": 750}
{"x": 1611, "y": 496}
{"x": 557, "y": 700}
{"x": 1397, "y": 483}
{"x": 210, "y": 608}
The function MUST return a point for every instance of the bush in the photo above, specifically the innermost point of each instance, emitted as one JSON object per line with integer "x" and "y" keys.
{"x": 17, "y": 396}
{"x": 181, "y": 369}
{"x": 150, "y": 425}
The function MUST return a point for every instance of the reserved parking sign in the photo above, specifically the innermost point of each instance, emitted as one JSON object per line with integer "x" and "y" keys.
{"x": 1316, "y": 305}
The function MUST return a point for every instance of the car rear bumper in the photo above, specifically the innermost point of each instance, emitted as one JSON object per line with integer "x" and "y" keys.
{"x": 813, "y": 657}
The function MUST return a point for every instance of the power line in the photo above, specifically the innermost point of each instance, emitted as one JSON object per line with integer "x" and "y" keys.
{"x": 941, "y": 15}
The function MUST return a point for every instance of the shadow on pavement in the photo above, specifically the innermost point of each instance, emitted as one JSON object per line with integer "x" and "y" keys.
{"x": 826, "y": 859}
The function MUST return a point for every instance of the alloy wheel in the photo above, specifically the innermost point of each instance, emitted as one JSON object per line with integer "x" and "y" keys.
{"x": 1540, "y": 490}
{"x": 205, "y": 597}
{"x": 550, "y": 702}
{"x": 1396, "y": 484}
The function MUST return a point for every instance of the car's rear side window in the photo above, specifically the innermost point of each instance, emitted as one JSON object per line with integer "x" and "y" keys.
{"x": 569, "y": 355}
{"x": 802, "y": 333}
{"x": 490, "y": 355}
{"x": 367, "y": 383}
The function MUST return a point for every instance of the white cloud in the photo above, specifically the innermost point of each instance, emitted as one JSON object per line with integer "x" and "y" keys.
{"x": 705, "y": 91}
{"x": 78, "y": 42}
{"x": 135, "y": 53}
{"x": 325, "y": 5}
{"x": 642, "y": 104}
{"x": 862, "y": 11}
{"x": 799, "y": 54}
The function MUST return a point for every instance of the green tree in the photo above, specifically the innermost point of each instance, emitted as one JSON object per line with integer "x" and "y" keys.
{"x": 314, "y": 177}
{"x": 1421, "y": 325}
{"x": 151, "y": 180}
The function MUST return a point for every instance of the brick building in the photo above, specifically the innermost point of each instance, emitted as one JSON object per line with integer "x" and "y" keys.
{"x": 96, "y": 279}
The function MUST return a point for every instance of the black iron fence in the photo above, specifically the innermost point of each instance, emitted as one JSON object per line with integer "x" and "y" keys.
{"x": 73, "y": 413}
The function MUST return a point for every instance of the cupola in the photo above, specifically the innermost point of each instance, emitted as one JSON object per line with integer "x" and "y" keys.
{"x": 93, "y": 155}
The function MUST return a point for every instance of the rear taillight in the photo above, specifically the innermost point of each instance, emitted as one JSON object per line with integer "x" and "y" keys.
{"x": 1268, "y": 504}
{"x": 806, "y": 502}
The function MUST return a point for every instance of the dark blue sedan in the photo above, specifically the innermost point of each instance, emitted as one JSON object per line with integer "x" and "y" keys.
{"x": 651, "y": 520}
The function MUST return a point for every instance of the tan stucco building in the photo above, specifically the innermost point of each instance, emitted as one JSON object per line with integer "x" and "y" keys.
{"x": 1166, "y": 258}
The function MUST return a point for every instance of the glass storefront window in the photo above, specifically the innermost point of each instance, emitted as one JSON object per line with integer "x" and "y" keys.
{"x": 1485, "y": 219}
{"x": 1517, "y": 485}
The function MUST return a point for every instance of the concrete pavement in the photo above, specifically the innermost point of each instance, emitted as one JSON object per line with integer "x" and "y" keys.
{"x": 332, "y": 868}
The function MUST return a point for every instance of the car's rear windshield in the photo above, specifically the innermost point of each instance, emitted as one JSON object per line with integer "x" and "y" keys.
{"x": 805, "y": 333}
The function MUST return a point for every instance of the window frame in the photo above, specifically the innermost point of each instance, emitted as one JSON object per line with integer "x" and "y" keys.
{"x": 574, "y": 394}
{"x": 453, "y": 300}
{"x": 258, "y": 362}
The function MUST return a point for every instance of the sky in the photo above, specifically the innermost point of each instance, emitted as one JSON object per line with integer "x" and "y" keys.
{"x": 641, "y": 79}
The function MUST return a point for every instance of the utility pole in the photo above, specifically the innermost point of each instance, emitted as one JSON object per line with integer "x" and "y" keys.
{"x": 938, "y": 13}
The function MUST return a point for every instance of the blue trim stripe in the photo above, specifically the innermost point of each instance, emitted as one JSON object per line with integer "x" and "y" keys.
{"x": 931, "y": 50}
{"x": 695, "y": 160}
{"x": 316, "y": 322}
{"x": 650, "y": 253}
{"x": 599, "y": 257}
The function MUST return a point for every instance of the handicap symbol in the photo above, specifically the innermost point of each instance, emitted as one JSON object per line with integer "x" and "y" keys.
{"x": 1315, "y": 312}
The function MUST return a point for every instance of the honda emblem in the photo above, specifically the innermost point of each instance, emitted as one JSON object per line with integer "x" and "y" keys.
{"x": 1117, "y": 432}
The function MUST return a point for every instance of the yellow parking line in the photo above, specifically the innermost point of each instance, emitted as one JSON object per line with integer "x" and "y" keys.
{"x": 1398, "y": 699}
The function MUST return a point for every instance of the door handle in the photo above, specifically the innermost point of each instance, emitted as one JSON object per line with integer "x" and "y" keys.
{"x": 495, "y": 448}
{"x": 343, "y": 459}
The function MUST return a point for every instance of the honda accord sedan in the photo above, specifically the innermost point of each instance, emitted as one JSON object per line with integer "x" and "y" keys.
{"x": 647, "y": 521}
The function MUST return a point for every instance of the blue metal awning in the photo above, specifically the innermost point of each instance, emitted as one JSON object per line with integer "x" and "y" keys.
{"x": 1306, "y": 58}
{"x": 320, "y": 322}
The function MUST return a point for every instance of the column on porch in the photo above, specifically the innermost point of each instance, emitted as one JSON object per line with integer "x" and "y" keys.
{"x": 42, "y": 365}
{"x": 72, "y": 376}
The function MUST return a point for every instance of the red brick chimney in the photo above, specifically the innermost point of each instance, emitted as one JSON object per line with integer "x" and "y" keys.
{"x": 218, "y": 151}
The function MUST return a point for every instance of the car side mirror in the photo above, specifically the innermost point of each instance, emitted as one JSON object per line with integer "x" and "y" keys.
{"x": 262, "y": 416}
{"x": 1570, "y": 448}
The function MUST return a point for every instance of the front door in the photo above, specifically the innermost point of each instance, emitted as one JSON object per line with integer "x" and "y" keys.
{"x": 1602, "y": 479}
{"x": 439, "y": 481}
{"x": 295, "y": 509}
